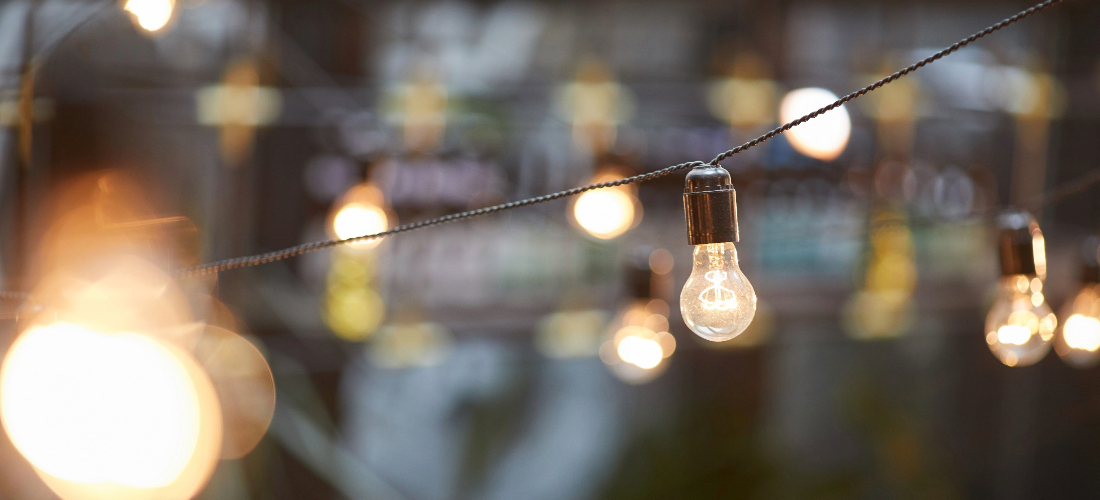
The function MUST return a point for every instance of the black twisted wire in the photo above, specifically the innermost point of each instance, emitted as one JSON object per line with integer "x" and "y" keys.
{"x": 255, "y": 260}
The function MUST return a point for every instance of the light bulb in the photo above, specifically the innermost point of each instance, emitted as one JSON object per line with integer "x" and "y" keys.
{"x": 1020, "y": 325}
{"x": 359, "y": 212}
{"x": 609, "y": 212}
{"x": 1079, "y": 341}
{"x": 605, "y": 213}
{"x": 151, "y": 15}
{"x": 823, "y": 138}
{"x": 717, "y": 301}
{"x": 639, "y": 343}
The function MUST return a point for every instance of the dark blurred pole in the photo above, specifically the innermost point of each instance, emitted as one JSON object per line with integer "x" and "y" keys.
{"x": 1019, "y": 428}
{"x": 18, "y": 247}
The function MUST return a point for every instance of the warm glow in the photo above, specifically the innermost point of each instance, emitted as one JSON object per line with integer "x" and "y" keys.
{"x": 151, "y": 15}
{"x": 1021, "y": 283}
{"x": 605, "y": 213}
{"x": 1039, "y": 249}
{"x": 357, "y": 219}
{"x": 717, "y": 301}
{"x": 1082, "y": 332}
{"x": 637, "y": 350}
{"x": 91, "y": 407}
{"x": 1013, "y": 334}
{"x": 641, "y": 352}
{"x": 824, "y": 137}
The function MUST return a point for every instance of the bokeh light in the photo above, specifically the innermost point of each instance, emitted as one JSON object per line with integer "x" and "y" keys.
{"x": 605, "y": 213}
{"x": 824, "y": 137}
{"x": 355, "y": 220}
{"x": 640, "y": 344}
{"x": 244, "y": 384}
{"x": 92, "y": 407}
{"x": 1082, "y": 332}
{"x": 609, "y": 212}
{"x": 1020, "y": 325}
{"x": 151, "y": 15}
{"x": 360, "y": 212}
{"x": 1079, "y": 341}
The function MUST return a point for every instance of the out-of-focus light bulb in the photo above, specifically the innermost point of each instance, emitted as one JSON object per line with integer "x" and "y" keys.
{"x": 717, "y": 302}
{"x": 1082, "y": 332}
{"x": 1079, "y": 342}
{"x": 609, "y": 212}
{"x": 604, "y": 213}
{"x": 1020, "y": 325}
{"x": 151, "y": 15}
{"x": 356, "y": 219}
{"x": 643, "y": 351}
{"x": 640, "y": 344}
{"x": 824, "y": 137}
{"x": 358, "y": 213}
{"x": 91, "y": 407}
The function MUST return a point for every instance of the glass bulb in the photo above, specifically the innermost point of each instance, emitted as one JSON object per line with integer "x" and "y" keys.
{"x": 717, "y": 301}
{"x": 1079, "y": 341}
{"x": 1020, "y": 325}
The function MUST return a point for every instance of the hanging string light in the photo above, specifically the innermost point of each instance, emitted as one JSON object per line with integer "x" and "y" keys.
{"x": 824, "y": 138}
{"x": 607, "y": 213}
{"x": 1020, "y": 325}
{"x": 639, "y": 343}
{"x": 1078, "y": 340}
{"x": 353, "y": 307}
{"x": 717, "y": 302}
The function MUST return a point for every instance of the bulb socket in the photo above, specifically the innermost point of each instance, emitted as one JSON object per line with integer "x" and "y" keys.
{"x": 1015, "y": 241}
{"x": 710, "y": 206}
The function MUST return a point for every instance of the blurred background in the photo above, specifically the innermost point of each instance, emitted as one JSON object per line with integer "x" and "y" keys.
{"x": 540, "y": 353}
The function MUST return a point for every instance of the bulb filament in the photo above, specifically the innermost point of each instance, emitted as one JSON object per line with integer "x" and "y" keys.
{"x": 717, "y": 297}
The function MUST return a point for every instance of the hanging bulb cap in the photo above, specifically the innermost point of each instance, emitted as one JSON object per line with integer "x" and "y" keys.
{"x": 710, "y": 206}
{"x": 1015, "y": 241}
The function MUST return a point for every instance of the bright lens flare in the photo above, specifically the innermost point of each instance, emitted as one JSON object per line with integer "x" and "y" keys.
{"x": 90, "y": 407}
{"x": 641, "y": 352}
{"x": 824, "y": 137}
{"x": 1013, "y": 334}
{"x": 605, "y": 213}
{"x": 357, "y": 219}
{"x": 1082, "y": 332}
{"x": 151, "y": 15}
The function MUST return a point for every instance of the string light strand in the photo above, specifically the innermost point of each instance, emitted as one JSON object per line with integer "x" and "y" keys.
{"x": 264, "y": 258}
